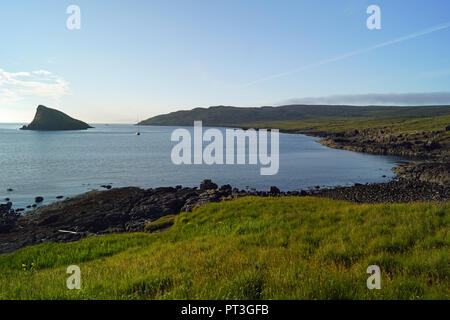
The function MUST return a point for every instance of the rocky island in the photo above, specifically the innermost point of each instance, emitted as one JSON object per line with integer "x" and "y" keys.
{"x": 47, "y": 119}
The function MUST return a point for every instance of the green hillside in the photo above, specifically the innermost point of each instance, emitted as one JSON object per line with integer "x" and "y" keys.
{"x": 232, "y": 116}
{"x": 398, "y": 124}
{"x": 251, "y": 248}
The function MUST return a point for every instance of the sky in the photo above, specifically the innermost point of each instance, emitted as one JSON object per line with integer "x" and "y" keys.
{"x": 133, "y": 59}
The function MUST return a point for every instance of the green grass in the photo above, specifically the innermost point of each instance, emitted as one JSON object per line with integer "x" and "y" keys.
{"x": 161, "y": 223}
{"x": 397, "y": 124}
{"x": 232, "y": 116}
{"x": 252, "y": 248}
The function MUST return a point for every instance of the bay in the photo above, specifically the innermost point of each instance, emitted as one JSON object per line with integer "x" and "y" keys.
{"x": 67, "y": 163}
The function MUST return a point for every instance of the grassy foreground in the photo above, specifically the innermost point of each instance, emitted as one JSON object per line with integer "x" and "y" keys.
{"x": 252, "y": 248}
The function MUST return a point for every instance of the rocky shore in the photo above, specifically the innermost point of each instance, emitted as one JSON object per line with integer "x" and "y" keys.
{"x": 429, "y": 151}
{"x": 129, "y": 209}
{"x": 436, "y": 171}
{"x": 385, "y": 141}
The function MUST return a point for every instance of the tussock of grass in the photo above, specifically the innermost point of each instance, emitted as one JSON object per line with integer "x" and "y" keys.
{"x": 252, "y": 248}
{"x": 161, "y": 223}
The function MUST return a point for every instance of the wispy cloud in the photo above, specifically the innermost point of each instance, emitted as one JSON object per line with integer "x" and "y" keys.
{"x": 350, "y": 54}
{"x": 16, "y": 86}
{"x": 424, "y": 98}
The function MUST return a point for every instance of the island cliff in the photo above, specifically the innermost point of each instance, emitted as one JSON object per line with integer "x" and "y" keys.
{"x": 47, "y": 119}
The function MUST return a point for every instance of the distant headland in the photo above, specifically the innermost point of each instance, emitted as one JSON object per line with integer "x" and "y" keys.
{"x": 47, "y": 119}
{"x": 225, "y": 116}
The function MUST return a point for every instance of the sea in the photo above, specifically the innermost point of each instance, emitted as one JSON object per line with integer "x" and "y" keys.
{"x": 68, "y": 163}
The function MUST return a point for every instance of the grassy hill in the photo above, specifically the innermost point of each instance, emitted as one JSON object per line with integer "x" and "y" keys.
{"x": 251, "y": 248}
{"x": 397, "y": 124}
{"x": 232, "y": 116}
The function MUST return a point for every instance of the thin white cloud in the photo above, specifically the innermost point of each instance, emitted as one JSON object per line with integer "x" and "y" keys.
{"x": 42, "y": 72}
{"x": 42, "y": 84}
{"x": 413, "y": 98}
{"x": 350, "y": 54}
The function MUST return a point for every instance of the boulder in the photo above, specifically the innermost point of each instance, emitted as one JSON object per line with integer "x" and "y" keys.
{"x": 274, "y": 191}
{"x": 207, "y": 184}
{"x": 226, "y": 189}
{"x": 4, "y": 208}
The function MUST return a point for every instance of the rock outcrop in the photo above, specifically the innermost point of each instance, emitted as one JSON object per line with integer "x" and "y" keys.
{"x": 424, "y": 144}
{"x": 431, "y": 149}
{"x": 8, "y": 217}
{"x": 47, "y": 119}
{"x": 431, "y": 171}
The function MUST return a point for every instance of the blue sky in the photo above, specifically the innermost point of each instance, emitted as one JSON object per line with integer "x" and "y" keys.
{"x": 138, "y": 58}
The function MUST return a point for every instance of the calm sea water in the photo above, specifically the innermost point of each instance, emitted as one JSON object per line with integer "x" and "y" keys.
{"x": 50, "y": 164}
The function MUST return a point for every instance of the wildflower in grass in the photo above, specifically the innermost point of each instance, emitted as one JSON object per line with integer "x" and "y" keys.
{"x": 27, "y": 267}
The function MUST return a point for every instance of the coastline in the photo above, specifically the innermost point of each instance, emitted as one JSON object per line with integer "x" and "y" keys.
{"x": 129, "y": 209}
{"x": 429, "y": 159}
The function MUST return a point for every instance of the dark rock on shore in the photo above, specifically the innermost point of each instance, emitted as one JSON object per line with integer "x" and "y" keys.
{"x": 208, "y": 185}
{"x": 227, "y": 189}
{"x": 4, "y": 208}
{"x": 129, "y": 209}
{"x": 274, "y": 191}
{"x": 431, "y": 171}
{"x": 100, "y": 212}
{"x": 432, "y": 148}
{"x": 385, "y": 141}
{"x": 38, "y": 199}
{"x": 8, "y": 218}
{"x": 395, "y": 191}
